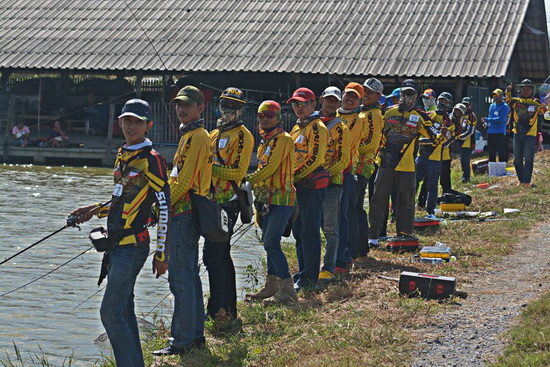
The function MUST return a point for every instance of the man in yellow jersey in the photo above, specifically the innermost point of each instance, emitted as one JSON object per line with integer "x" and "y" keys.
{"x": 428, "y": 162}
{"x": 336, "y": 160}
{"x": 232, "y": 146}
{"x": 526, "y": 112}
{"x": 192, "y": 172}
{"x": 311, "y": 179}
{"x": 402, "y": 126}
{"x": 467, "y": 136}
{"x": 349, "y": 113}
{"x": 273, "y": 183}
{"x": 368, "y": 148}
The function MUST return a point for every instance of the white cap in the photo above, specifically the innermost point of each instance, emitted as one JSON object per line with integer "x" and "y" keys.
{"x": 374, "y": 85}
{"x": 461, "y": 107}
{"x": 332, "y": 91}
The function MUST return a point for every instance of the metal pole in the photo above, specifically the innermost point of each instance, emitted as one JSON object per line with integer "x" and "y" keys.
{"x": 39, "y": 99}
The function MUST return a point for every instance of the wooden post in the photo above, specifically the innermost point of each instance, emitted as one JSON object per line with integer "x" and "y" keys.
{"x": 111, "y": 118}
{"x": 139, "y": 78}
{"x": 107, "y": 161}
{"x": 458, "y": 89}
{"x": 298, "y": 80}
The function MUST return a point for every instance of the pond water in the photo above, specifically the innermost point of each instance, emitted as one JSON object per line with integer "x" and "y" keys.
{"x": 60, "y": 312}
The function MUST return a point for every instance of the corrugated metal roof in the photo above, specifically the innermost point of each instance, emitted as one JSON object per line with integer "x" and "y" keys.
{"x": 429, "y": 38}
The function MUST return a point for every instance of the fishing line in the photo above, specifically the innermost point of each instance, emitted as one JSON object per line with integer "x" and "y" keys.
{"x": 158, "y": 304}
{"x": 48, "y": 273}
{"x": 174, "y": 129}
{"x": 87, "y": 299}
{"x": 34, "y": 244}
{"x": 70, "y": 222}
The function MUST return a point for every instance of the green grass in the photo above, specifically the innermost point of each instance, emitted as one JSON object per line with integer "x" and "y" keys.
{"x": 529, "y": 340}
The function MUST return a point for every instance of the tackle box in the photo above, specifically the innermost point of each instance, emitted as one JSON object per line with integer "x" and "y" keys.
{"x": 403, "y": 243}
{"x": 421, "y": 224}
{"x": 452, "y": 207}
{"x": 442, "y": 252}
{"x": 426, "y": 286}
{"x": 431, "y": 260}
{"x": 480, "y": 166}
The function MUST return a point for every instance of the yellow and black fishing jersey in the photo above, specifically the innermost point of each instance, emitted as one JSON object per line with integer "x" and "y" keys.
{"x": 356, "y": 126}
{"x": 234, "y": 144}
{"x": 337, "y": 156}
{"x": 310, "y": 145}
{"x": 140, "y": 182}
{"x": 370, "y": 143}
{"x": 273, "y": 181}
{"x": 400, "y": 137}
{"x": 192, "y": 167}
{"x": 428, "y": 149}
{"x": 525, "y": 113}
{"x": 468, "y": 129}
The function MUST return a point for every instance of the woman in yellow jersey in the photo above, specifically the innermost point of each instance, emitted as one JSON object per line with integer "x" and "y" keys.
{"x": 273, "y": 184}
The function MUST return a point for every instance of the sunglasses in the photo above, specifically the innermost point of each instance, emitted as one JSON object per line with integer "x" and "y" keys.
{"x": 231, "y": 105}
{"x": 266, "y": 114}
{"x": 300, "y": 104}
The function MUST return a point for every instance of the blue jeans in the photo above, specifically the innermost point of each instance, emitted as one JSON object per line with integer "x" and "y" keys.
{"x": 428, "y": 171}
{"x": 273, "y": 226}
{"x": 343, "y": 256}
{"x": 307, "y": 232}
{"x": 221, "y": 271}
{"x": 524, "y": 148}
{"x": 465, "y": 156}
{"x": 117, "y": 307}
{"x": 331, "y": 223}
{"x": 185, "y": 281}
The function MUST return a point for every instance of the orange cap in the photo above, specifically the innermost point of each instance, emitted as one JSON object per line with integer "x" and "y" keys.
{"x": 356, "y": 88}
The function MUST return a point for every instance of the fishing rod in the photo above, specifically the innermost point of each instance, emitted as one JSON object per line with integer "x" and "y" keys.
{"x": 69, "y": 222}
{"x": 48, "y": 273}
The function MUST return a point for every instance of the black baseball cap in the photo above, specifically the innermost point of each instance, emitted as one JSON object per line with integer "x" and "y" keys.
{"x": 137, "y": 108}
{"x": 409, "y": 84}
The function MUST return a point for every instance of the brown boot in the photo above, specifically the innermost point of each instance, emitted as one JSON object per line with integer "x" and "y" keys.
{"x": 285, "y": 295}
{"x": 270, "y": 288}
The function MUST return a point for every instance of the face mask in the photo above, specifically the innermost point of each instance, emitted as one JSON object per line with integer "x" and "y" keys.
{"x": 428, "y": 103}
{"x": 230, "y": 115}
{"x": 443, "y": 106}
{"x": 407, "y": 101}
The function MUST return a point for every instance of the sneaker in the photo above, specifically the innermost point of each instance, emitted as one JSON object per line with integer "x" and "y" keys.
{"x": 528, "y": 185}
{"x": 325, "y": 276}
{"x": 374, "y": 243}
{"x": 340, "y": 270}
{"x": 172, "y": 351}
{"x": 431, "y": 217}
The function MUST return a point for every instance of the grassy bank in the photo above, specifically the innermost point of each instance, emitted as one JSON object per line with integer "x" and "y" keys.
{"x": 360, "y": 320}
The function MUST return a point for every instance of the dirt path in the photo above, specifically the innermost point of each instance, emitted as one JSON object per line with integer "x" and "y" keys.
{"x": 470, "y": 334}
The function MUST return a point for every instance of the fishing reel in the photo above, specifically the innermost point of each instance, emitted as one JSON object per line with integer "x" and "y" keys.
{"x": 71, "y": 221}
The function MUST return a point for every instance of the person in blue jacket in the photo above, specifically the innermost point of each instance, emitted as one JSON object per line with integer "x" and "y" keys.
{"x": 496, "y": 127}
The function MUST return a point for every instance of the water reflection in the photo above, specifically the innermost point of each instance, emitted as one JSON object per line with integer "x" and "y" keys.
{"x": 36, "y": 200}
